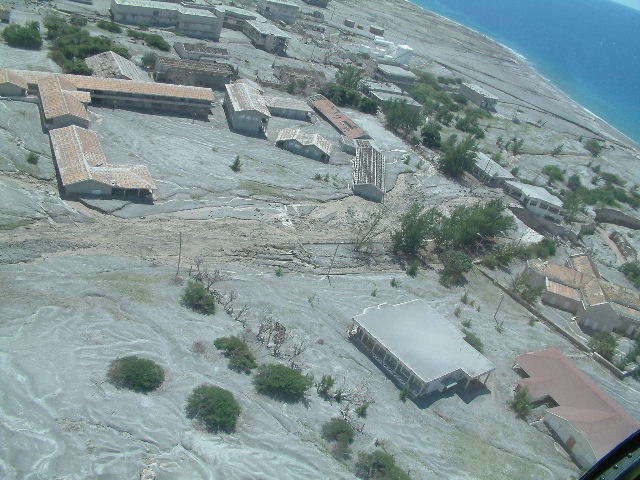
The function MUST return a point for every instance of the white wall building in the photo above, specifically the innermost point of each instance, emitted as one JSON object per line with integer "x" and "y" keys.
{"x": 246, "y": 109}
{"x": 266, "y": 36}
{"x": 279, "y": 10}
{"x": 490, "y": 172}
{"x": 536, "y": 199}
{"x": 479, "y": 96}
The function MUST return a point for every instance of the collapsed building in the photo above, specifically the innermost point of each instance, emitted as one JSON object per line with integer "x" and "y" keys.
{"x": 200, "y": 52}
{"x": 83, "y": 169}
{"x": 192, "y": 72}
{"x": 587, "y": 421}
{"x": 478, "y": 95}
{"x": 308, "y": 145}
{"x": 111, "y": 65}
{"x": 418, "y": 348}
{"x": 282, "y": 10}
{"x": 287, "y": 74}
{"x": 266, "y": 36}
{"x": 368, "y": 172}
{"x": 194, "y": 22}
{"x": 339, "y": 120}
{"x": 577, "y": 287}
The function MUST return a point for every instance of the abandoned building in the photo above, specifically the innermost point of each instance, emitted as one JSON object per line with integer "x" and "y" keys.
{"x": 368, "y": 173}
{"x": 61, "y": 104}
{"x": 336, "y": 117}
{"x": 246, "y": 109}
{"x": 12, "y": 84}
{"x": 287, "y": 74}
{"x": 376, "y": 30}
{"x": 418, "y": 348}
{"x": 194, "y": 22}
{"x": 111, "y": 65}
{"x": 235, "y": 17}
{"x": 479, "y": 96}
{"x": 266, "y": 36}
{"x": 588, "y": 422}
{"x": 282, "y": 10}
{"x": 192, "y": 72}
{"x": 287, "y": 107}
{"x": 535, "y": 199}
{"x": 490, "y": 172}
{"x": 317, "y": 3}
{"x": 395, "y": 97}
{"x": 577, "y": 287}
{"x": 83, "y": 169}
{"x": 200, "y": 52}
{"x": 403, "y": 78}
{"x": 308, "y": 145}
{"x": 351, "y": 145}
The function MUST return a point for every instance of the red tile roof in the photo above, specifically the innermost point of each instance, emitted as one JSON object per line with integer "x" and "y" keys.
{"x": 581, "y": 402}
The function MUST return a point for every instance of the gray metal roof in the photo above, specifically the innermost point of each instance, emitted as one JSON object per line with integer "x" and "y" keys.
{"x": 390, "y": 97}
{"x": 479, "y": 90}
{"x": 267, "y": 28}
{"x": 423, "y": 340}
{"x": 491, "y": 168}
{"x": 533, "y": 191}
{"x": 396, "y": 71}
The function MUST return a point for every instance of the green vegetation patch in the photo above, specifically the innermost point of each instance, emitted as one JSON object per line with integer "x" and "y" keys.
{"x": 23, "y": 37}
{"x": 198, "y": 298}
{"x": 282, "y": 382}
{"x": 137, "y": 374}
{"x": 151, "y": 39}
{"x": 215, "y": 407}
{"x": 379, "y": 465}
{"x": 241, "y": 359}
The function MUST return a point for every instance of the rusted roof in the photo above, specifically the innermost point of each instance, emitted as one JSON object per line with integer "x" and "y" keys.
{"x": 295, "y": 134}
{"x": 245, "y": 98}
{"x": 80, "y": 157}
{"x": 336, "y": 117}
{"x": 9, "y": 76}
{"x": 57, "y": 99}
{"x": 592, "y": 293}
{"x": 581, "y": 402}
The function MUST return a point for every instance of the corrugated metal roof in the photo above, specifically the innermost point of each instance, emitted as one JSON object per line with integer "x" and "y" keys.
{"x": 245, "y": 98}
{"x": 9, "y": 76}
{"x": 336, "y": 117}
{"x": 195, "y": 66}
{"x": 492, "y": 168}
{"x": 581, "y": 402}
{"x": 295, "y": 134}
{"x": 368, "y": 167}
{"x": 287, "y": 103}
{"x": 533, "y": 191}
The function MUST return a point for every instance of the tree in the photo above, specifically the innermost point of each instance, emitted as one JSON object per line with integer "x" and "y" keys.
{"x": 604, "y": 344}
{"x": 415, "y": 226}
{"x": 594, "y": 147}
{"x": 325, "y": 385}
{"x": 198, "y": 298}
{"x": 23, "y": 37}
{"x": 338, "y": 430}
{"x": 349, "y": 77}
{"x": 399, "y": 115}
{"x": 521, "y": 402}
{"x": 368, "y": 105}
{"x": 137, "y": 374}
{"x": 379, "y": 465}
{"x": 572, "y": 204}
{"x": 431, "y": 135}
{"x": 554, "y": 172}
{"x": 237, "y": 351}
{"x": 282, "y": 382}
{"x": 109, "y": 26}
{"x": 631, "y": 270}
{"x": 473, "y": 340}
{"x": 458, "y": 157}
{"x": 236, "y": 165}
{"x": 216, "y": 407}
{"x": 456, "y": 264}
{"x": 149, "y": 60}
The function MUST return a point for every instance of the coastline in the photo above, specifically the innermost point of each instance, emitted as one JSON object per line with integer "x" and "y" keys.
{"x": 634, "y": 144}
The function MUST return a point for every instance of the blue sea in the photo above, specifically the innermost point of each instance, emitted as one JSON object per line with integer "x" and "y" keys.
{"x": 590, "y": 49}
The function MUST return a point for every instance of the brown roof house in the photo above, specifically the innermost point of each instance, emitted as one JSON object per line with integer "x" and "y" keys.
{"x": 585, "y": 419}
{"x": 336, "y": 117}
{"x": 308, "y": 145}
{"x": 12, "y": 84}
{"x": 577, "y": 287}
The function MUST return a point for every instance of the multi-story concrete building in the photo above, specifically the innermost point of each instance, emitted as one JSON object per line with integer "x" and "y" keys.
{"x": 266, "y": 36}
{"x": 235, "y": 17}
{"x": 317, "y": 3}
{"x": 194, "y": 22}
{"x": 282, "y": 10}
{"x": 536, "y": 199}
{"x": 399, "y": 76}
{"x": 308, "y": 145}
{"x": 192, "y": 72}
{"x": 479, "y": 96}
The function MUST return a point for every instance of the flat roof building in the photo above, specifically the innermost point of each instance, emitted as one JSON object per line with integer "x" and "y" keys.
{"x": 479, "y": 96}
{"x": 400, "y": 76}
{"x": 246, "y": 109}
{"x": 588, "y": 422}
{"x": 266, "y": 36}
{"x": 200, "y": 52}
{"x": 282, "y": 10}
{"x": 308, "y": 145}
{"x": 535, "y": 199}
{"x": 395, "y": 97}
{"x": 194, "y": 22}
{"x": 192, "y": 72}
{"x": 490, "y": 172}
{"x": 235, "y": 17}
{"x": 317, "y": 3}
{"x": 336, "y": 117}
{"x": 83, "y": 169}
{"x": 418, "y": 347}
{"x": 287, "y": 107}
{"x": 111, "y": 65}
{"x": 12, "y": 84}
{"x": 368, "y": 172}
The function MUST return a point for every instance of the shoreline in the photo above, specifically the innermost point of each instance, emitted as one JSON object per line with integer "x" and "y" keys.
{"x": 634, "y": 144}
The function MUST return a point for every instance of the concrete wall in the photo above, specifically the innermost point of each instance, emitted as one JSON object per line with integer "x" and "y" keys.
{"x": 250, "y": 122}
{"x": 278, "y": 11}
{"x": 289, "y": 113}
{"x": 369, "y": 192}
{"x": 197, "y": 79}
{"x": 308, "y": 151}
{"x": 11, "y": 90}
{"x": 580, "y": 450}
{"x": 199, "y": 26}
{"x": 601, "y": 317}
{"x": 563, "y": 303}
{"x": 611, "y": 215}
{"x": 478, "y": 99}
{"x": 188, "y": 109}
{"x": 89, "y": 187}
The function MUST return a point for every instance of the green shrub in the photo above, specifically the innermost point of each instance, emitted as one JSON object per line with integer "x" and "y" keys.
{"x": 198, "y": 298}
{"x": 120, "y": 50}
{"x": 149, "y": 60}
{"x": 379, "y": 465}
{"x": 458, "y": 156}
{"x": 156, "y": 41}
{"x": 631, "y": 270}
{"x": 338, "y": 430}
{"x": 23, "y": 37}
{"x": 109, "y": 26}
{"x": 361, "y": 410}
{"x": 412, "y": 268}
{"x": 521, "y": 402}
{"x": 282, "y": 382}
{"x": 594, "y": 147}
{"x": 456, "y": 263}
{"x": 32, "y": 158}
{"x": 236, "y": 165}
{"x": 473, "y": 340}
{"x": 240, "y": 357}
{"x": 431, "y": 137}
{"x": 555, "y": 173}
{"x": 326, "y": 383}
{"x": 605, "y": 344}
{"x": 216, "y": 407}
{"x": 78, "y": 21}
{"x": 137, "y": 374}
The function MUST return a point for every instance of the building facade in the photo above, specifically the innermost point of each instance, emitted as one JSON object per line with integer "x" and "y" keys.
{"x": 399, "y": 76}
{"x": 200, "y": 52}
{"x": 266, "y": 36}
{"x": 282, "y": 10}
{"x": 12, "y": 84}
{"x": 535, "y": 199}
{"x": 308, "y": 145}
{"x": 246, "y": 109}
{"x": 368, "y": 173}
{"x": 317, "y": 3}
{"x": 192, "y": 72}
{"x": 479, "y": 96}
{"x": 286, "y": 107}
{"x": 490, "y": 172}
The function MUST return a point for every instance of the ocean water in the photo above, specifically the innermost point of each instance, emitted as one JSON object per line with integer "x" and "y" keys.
{"x": 590, "y": 49}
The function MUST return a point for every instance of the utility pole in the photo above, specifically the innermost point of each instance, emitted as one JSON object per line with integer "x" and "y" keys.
{"x": 499, "y": 303}
{"x": 179, "y": 255}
